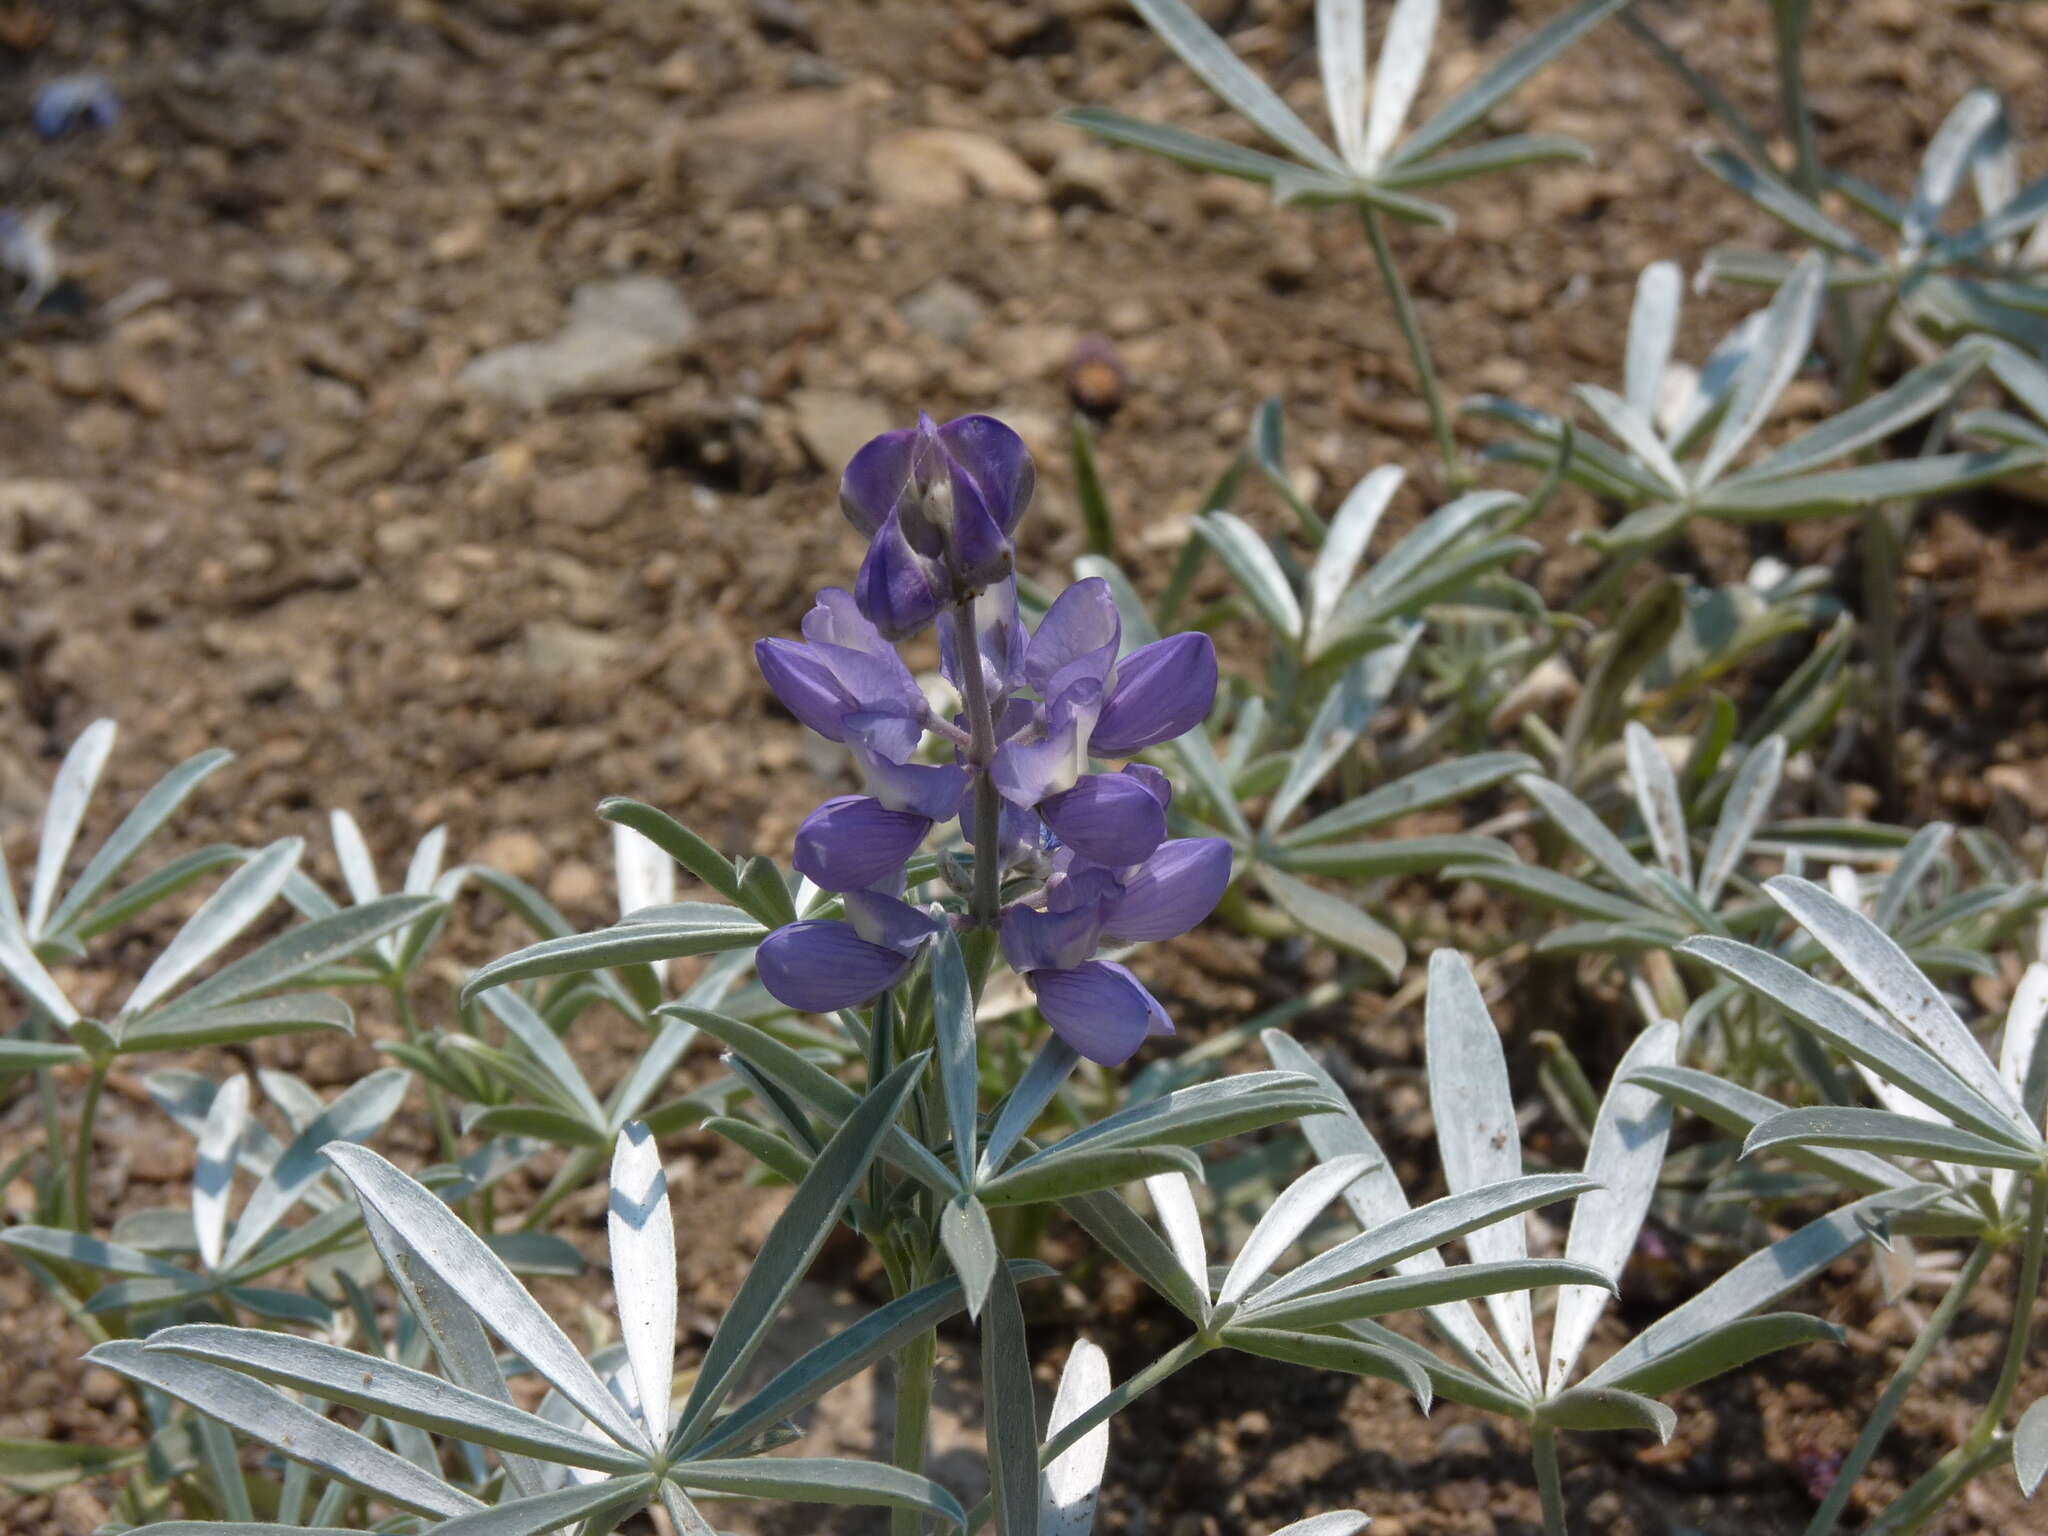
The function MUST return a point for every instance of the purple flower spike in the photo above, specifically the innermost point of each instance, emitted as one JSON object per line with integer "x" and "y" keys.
{"x": 846, "y": 675}
{"x": 1163, "y": 690}
{"x": 1037, "y": 941}
{"x": 821, "y": 967}
{"x": 899, "y": 589}
{"x": 1100, "y": 1009}
{"x": 805, "y": 685}
{"x": 1111, "y": 819}
{"x": 997, "y": 465}
{"x": 1171, "y": 891}
{"x": 853, "y": 841}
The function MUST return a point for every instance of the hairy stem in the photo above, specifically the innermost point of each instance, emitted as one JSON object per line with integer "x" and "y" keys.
{"x": 1411, "y": 332}
{"x": 1543, "y": 1449}
{"x": 914, "y": 1369}
{"x": 1830, "y": 1511}
{"x": 981, "y": 752}
{"x": 81, "y": 1150}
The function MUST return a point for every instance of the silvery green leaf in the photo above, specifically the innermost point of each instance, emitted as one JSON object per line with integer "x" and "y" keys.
{"x": 1505, "y": 78}
{"x": 1585, "y": 1408}
{"x": 1439, "y": 1287}
{"x": 1592, "y": 838}
{"x": 1478, "y": 1138}
{"x": 1378, "y": 1198}
{"x": 1062, "y": 1175}
{"x": 358, "y": 870}
{"x": 1790, "y": 208}
{"x": 650, "y": 1071}
{"x": 1201, "y": 1113}
{"x": 771, "y": 1151}
{"x": 551, "y": 1125}
{"x": 1652, "y": 331}
{"x": 1323, "y": 1352}
{"x": 1072, "y": 1479}
{"x": 1915, "y": 1067}
{"x": 1340, "y": 54}
{"x": 22, "y": 968}
{"x": 1335, "y": 920}
{"x": 274, "y": 1419}
{"x": 1948, "y": 156}
{"x": 423, "y": 872}
{"x": 546, "y": 1048}
{"x": 1225, "y": 74}
{"x": 970, "y": 1242}
{"x": 2022, "y": 1061}
{"x": 354, "y": 1116}
{"x": 820, "y": 1480}
{"x": 1878, "y": 1130}
{"x": 180, "y": 1028}
{"x": 1758, "y": 1280}
{"x": 146, "y": 892}
{"x": 2030, "y": 1447}
{"x": 1626, "y": 1156}
{"x": 1427, "y": 1226}
{"x": 238, "y": 903}
{"x": 1922, "y": 851}
{"x": 1430, "y": 786}
{"x": 1636, "y": 432}
{"x": 1052, "y": 1066}
{"x": 1287, "y": 1218}
{"x": 69, "y": 796}
{"x": 1844, "y": 490}
{"x": 136, "y": 828}
{"x": 677, "y": 841}
{"x": 294, "y": 953}
{"x": 1338, "y": 1522}
{"x": 817, "y": 1088}
{"x": 646, "y": 873}
{"x": 1881, "y": 968}
{"x": 1781, "y": 346}
{"x": 457, "y": 1338}
{"x": 1747, "y": 804}
{"x": 706, "y": 931}
{"x": 1347, "y": 709}
{"x": 1739, "y": 1111}
{"x": 1011, "y": 1411}
{"x": 1173, "y": 1198}
{"x": 1177, "y": 144}
{"x": 642, "y": 1235}
{"x": 537, "y": 1513}
{"x": 813, "y": 1211}
{"x": 959, "y": 1062}
{"x": 2024, "y": 377}
{"x": 213, "y": 1174}
{"x": 1126, "y": 1237}
{"x": 1656, "y": 792}
{"x": 1350, "y": 533}
{"x": 1720, "y": 1350}
{"x": 1502, "y": 154}
{"x": 480, "y": 1277}
{"x": 379, "y": 1386}
{"x": 1917, "y": 395}
{"x": 847, "y": 1353}
{"x": 18, "y": 1056}
{"x": 95, "y": 1253}
{"x": 1593, "y": 463}
{"x": 1424, "y": 546}
{"x": 1371, "y": 859}
{"x": 1404, "y": 54}
{"x": 1197, "y": 755}
{"x": 1257, "y": 572}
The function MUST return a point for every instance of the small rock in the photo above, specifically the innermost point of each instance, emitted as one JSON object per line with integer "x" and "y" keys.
{"x": 1087, "y": 176}
{"x": 833, "y": 425}
{"x": 518, "y": 854}
{"x": 34, "y": 510}
{"x": 99, "y": 1386}
{"x": 575, "y": 885}
{"x": 943, "y": 167}
{"x": 945, "y": 310}
{"x": 76, "y": 1511}
{"x": 556, "y": 649}
{"x": 442, "y": 587}
{"x": 618, "y": 335}
{"x": 799, "y": 148}
{"x": 591, "y": 498}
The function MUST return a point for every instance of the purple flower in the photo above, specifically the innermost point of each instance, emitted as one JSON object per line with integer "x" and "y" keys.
{"x": 846, "y": 671}
{"x": 1097, "y": 1006}
{"x": 1163, "y": 690}
{"x": 854, "y": 841}
{"x": 70, "y": 103}
{"x": 937, "y": 505}
{"x": 820, "y": 966}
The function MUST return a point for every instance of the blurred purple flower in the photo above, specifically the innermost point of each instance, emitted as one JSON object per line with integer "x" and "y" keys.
{"x": 71, "y": 103}
{"x": 820, "y": 966}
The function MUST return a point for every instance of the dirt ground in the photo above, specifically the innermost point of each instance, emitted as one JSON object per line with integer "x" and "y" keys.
{"x": 450, "y": 393}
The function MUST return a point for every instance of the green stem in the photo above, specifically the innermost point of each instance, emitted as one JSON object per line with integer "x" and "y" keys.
{"x": 81, "y": 1150}
{"x": 1710, "y": 95}
{"x": 915, "y": 1367}
{"x": 437, "y": 1102}
{"x": 1411, "y": 332}
{"x": 1790, "y": 16}
{"x": 2031, "y": 1256}
{"x": 1543, "y": 1450}
{"x": 981, "y": 751}
{"x": 1114, "y": 1402}
{"x": 1830, "y": 1511}
{"x": 567, "y": 1180}
{"x": 1919, "y": 1503}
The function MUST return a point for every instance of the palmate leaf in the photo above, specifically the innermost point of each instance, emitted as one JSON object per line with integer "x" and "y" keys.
{"x": 1284, "y": 1221}
{"x": 1878, "y": 1130}
{"x": 1335, "y": 920}
{"x": 69, "y": 796}
{"x": 688, "y": 928}
{"x": 1347, "y": 709}
{"x": 1437, "y": 1288}
{"x": 1717, "y": 1351}
{"x": 240, "y": 900}
{"x": 541, "y": 1512}
{"x": 1227, "y": 75}
{"x": 354, "y": 1116}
